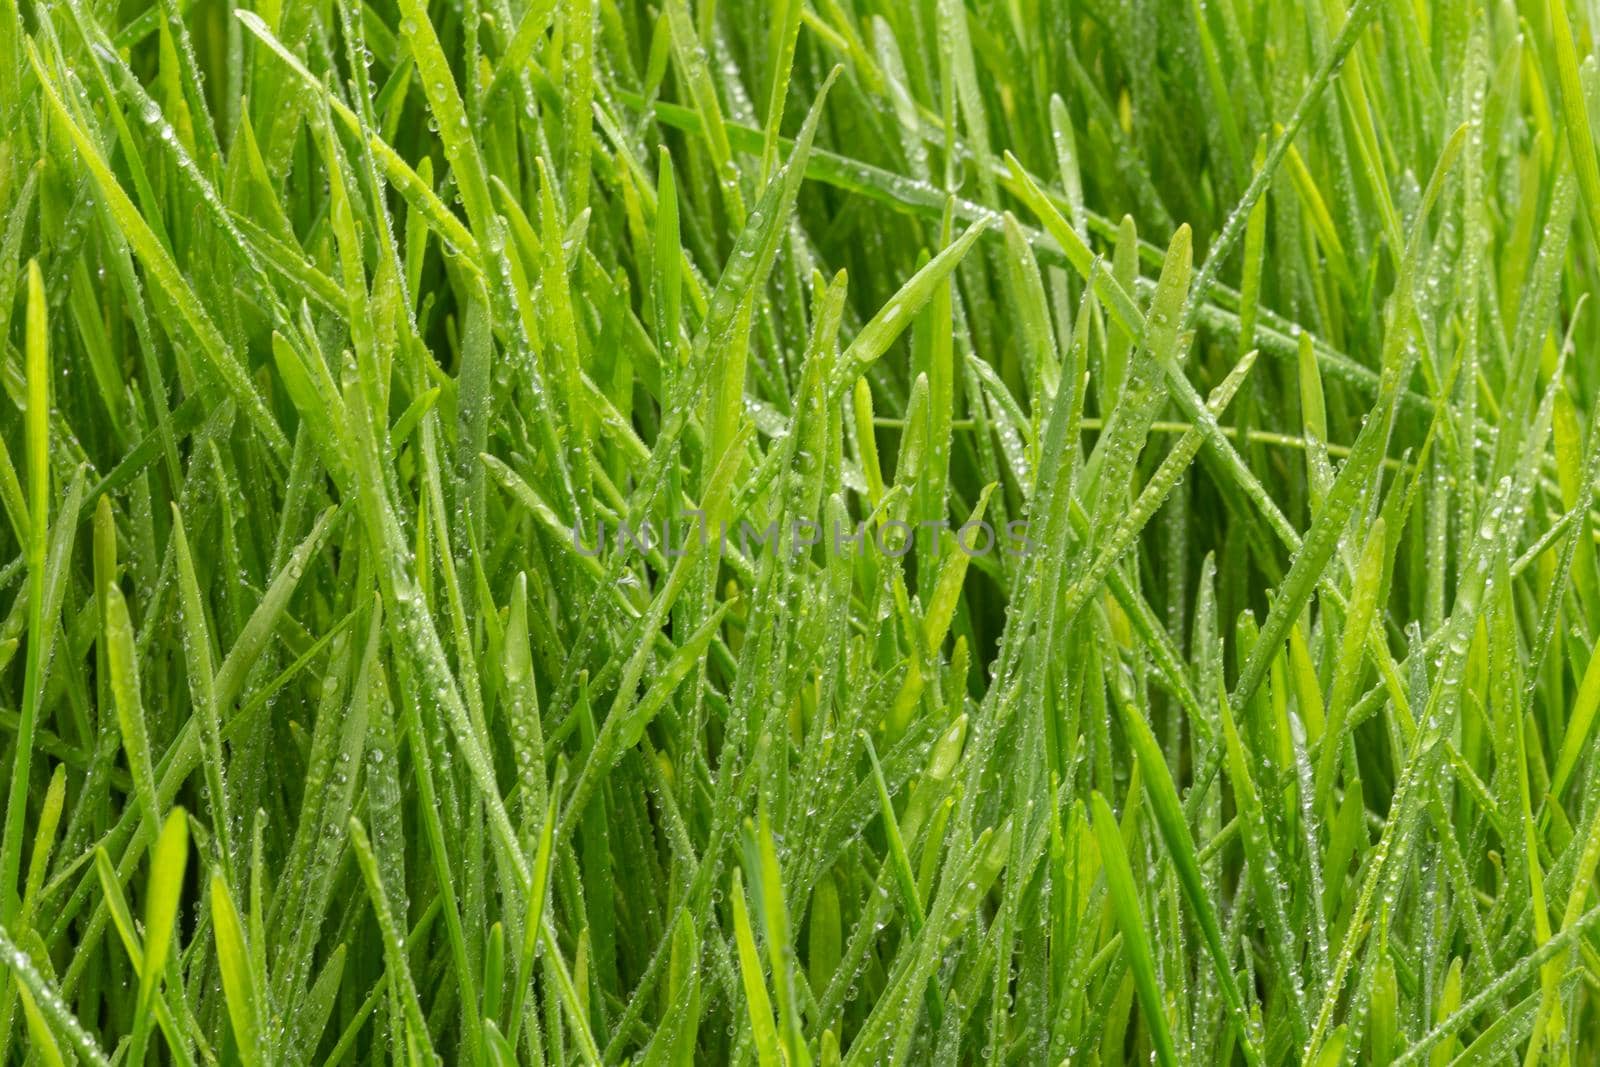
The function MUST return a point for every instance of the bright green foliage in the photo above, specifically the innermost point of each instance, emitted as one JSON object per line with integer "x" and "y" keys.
{"x": 1129, "y": 590}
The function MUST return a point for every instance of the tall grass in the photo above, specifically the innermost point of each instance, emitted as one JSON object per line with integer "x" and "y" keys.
{"x": 494, "y": 566}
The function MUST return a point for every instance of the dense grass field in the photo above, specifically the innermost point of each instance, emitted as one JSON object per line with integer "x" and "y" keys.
{"x": 799, "y": 532}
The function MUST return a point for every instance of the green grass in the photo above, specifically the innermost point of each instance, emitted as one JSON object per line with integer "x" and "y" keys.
{"x": 334, "y": 331}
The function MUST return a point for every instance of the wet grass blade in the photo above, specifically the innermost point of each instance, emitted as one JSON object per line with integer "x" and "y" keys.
{"x": 1124, "y": 895}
